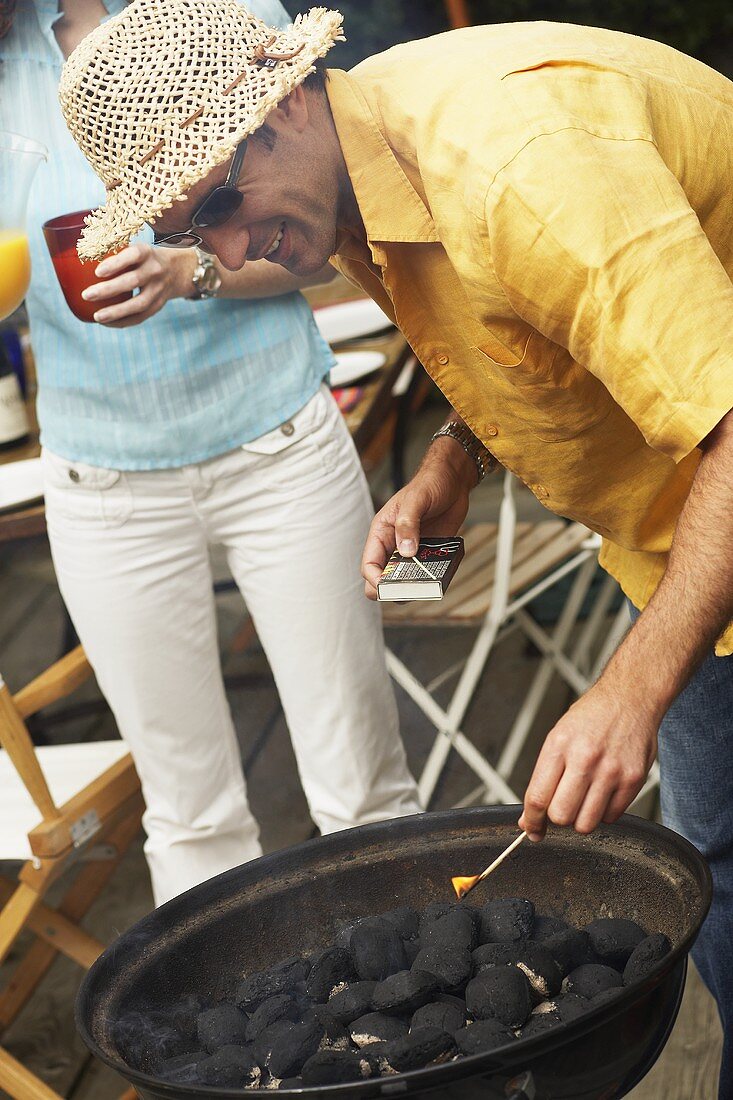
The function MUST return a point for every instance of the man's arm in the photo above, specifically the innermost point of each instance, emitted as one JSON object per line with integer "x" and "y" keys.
{"x": 595, "y": 760}
{"x": 159, "y": 274}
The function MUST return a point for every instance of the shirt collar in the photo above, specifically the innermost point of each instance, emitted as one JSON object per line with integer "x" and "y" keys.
{"x": 390, "y": 207}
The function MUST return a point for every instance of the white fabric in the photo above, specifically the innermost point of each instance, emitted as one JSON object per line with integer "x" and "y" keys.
{"x": 67, "y": 769}
{"x": 131, "y": 554}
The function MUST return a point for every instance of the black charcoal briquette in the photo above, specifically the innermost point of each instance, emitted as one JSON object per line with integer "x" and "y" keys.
{"x": 451, "y": 965}
{"x": 483, "y": 1035}
{"x": 329, "y": 969}
{"x": 422, "y": 1047}
{"x": 613, "y": 939}
{"x": 592, "y": 978}
{"x": 293, "y": 1048}
{"x": 404, "y": 992}
{"x": 222, "y": 1025}
{"x": 230, "y": 1067}
{"x": 333, "y": 1067}
{"x": 547, "y": 926}
{"x": 281, "y": 1007}
{"x": 376, "y": 1027}
{"x": 645, "y": 956}
{"x": 455, "y": 928}
{"x": 350, "y": 1003}
{"x": 570, "y": 949}
{"x": 506, "y": 920}
{"x": 440, "y": 1014}
{"x": 502, "y": 992}
{"x": 376, "y": 952}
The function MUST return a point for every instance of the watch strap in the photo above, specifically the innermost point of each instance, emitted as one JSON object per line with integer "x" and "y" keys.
{"x": 474, "y": 448}
{"x": 206, "y": 279}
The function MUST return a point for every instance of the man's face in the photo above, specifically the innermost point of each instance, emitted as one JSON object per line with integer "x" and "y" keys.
{"x": 289, "y": 206}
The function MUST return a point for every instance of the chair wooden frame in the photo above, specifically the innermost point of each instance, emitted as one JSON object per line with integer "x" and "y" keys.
{"x": 92, "y": 830}
{"x": 499, "y": 606}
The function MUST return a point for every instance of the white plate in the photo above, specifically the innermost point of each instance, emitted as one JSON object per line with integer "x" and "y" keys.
{"x": 349, "y": 320}
{"x": 20, "y": 483}
{"x": 353, "y": 365}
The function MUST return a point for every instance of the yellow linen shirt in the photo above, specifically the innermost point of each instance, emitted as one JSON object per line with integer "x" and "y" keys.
{"x": 549, "y": 220}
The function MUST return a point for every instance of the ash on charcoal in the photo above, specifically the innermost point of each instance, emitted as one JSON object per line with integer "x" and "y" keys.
{"x": 293, "y": 1048}
{"x": 570, "y": 949}
{"x": 222, "y": 1025}
{"x": 645, "y": 956}
{"x": 375, "y": 1057}
{"x": 506, "y": 920}
{"x": 376, "y": 952}
{"x": 540, "y": 968}
{"x": 350, "y": 1003}
{"x": 482, "y": 1035}
{"x": 503, "y": 992}
{"x": 259, "y": 987}
{"x": 569, "y": 1006}
{"x": 451, "y": 965}
{"x": 538, "y": 1025}
{"x": 230, "y": 1067}
{"x": 456, "y": 927}
{"x": 334, "y": 1067}
{"x": 424, "y": 1046}
{"x": 281, "y": 1007}
{"x": 547, "y": 926}
{"x": 613, "y": 939}
{"x": 440, "y": 1014}
{"x": 376, "y": 1027}
{"x": 590, "y": 979}
{"x": 329, "y": 969}
{"x": 404, "y": 992}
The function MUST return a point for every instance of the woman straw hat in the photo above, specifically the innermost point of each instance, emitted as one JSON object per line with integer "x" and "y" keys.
{"x": 162, "y": 93}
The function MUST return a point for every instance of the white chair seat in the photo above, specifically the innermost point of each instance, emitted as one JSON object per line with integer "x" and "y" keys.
{"x": 68, "y": 769}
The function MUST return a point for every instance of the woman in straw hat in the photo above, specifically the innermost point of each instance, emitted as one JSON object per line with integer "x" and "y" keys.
{"x": 209, "y": 424}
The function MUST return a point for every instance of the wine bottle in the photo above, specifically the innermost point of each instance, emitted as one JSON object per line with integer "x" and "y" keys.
{"x": 14, "y": 426}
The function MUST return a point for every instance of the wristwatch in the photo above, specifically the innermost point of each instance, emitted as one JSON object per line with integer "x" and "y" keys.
{"x": 473, "y": 447}
{"x": 206, "y": 279}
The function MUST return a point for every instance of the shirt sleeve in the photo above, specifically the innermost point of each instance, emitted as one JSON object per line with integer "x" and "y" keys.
{"x": 597, "y": 246}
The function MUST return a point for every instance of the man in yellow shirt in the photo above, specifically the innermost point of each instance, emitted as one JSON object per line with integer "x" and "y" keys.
{"x": 545, "y": 210}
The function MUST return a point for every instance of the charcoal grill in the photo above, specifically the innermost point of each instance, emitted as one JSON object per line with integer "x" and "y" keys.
{"x": 253, "y": 916}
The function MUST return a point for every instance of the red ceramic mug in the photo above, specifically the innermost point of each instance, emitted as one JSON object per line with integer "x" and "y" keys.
{"x": 61, "y": 235}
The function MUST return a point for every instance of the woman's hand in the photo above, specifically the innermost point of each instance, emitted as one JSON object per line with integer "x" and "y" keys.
{"x": 159, "y": 274}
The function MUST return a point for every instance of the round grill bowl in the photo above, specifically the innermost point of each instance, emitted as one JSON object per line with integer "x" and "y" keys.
{"x": 286, "y": 903}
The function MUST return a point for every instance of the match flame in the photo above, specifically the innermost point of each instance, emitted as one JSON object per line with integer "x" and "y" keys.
{"x": 462, "y": 884}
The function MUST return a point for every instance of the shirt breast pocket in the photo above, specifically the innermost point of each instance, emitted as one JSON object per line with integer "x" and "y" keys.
{"x": 544, "y": 386}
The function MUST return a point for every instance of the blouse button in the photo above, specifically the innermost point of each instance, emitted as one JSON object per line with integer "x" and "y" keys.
{"x": 74, "y": 475}
{"x": 287, "y": 428}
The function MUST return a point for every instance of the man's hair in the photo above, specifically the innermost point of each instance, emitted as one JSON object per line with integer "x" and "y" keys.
{"x": 314, "y": 82}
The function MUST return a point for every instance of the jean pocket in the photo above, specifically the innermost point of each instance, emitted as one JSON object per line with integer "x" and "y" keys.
{"x": 83, "y": 493}
{"x": 302, "y": 450}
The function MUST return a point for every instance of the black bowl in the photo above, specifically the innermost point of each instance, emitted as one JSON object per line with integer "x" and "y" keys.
{"x": 207, "y": 939}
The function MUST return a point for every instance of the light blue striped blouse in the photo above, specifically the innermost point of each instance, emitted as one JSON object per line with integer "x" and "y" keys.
{"x": 195, "y": 380}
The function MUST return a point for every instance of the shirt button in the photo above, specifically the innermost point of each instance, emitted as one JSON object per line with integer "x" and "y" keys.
{"x": 74, "y": 475}
{"x": 541, "y": 491}
{"x": 442, "y": 359}
{"x": 492, "y": 430}
{"x": 287, "y": 428}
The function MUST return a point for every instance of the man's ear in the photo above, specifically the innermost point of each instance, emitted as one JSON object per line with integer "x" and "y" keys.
{"x": 291, "y": 112}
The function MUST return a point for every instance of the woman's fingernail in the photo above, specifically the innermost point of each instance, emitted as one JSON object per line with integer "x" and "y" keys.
{"x": 87, "y": 295}
{"x": 101, "y": 271}
{"x": 100, "y": 316}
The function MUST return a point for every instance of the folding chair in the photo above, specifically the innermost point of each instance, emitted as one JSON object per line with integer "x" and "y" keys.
{"x": 71, "y": 806}
{"x": 507, "y": 565}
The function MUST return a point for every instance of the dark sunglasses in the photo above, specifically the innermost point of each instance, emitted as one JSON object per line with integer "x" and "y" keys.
{"x": 217, "y": 208}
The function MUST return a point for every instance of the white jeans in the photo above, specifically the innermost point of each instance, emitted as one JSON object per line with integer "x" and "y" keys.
{"x": 131, "y": 557}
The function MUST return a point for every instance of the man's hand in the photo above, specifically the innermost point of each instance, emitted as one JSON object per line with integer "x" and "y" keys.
{"x": 159, "y": 274}
{"x": 594, "y": 761}
{"x": 435, "y": 502}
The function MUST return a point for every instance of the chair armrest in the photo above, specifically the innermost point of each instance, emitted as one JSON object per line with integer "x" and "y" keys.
{"x": 61, "y": 679}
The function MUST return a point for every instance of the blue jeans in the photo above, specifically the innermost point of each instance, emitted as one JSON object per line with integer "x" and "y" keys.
{"x": 695, "y": 743}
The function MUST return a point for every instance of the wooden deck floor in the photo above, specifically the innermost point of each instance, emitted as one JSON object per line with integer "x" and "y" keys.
{"x": 30, "y": 630}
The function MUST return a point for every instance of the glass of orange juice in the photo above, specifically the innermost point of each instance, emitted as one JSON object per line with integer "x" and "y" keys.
{"x": 19, "y": 159}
